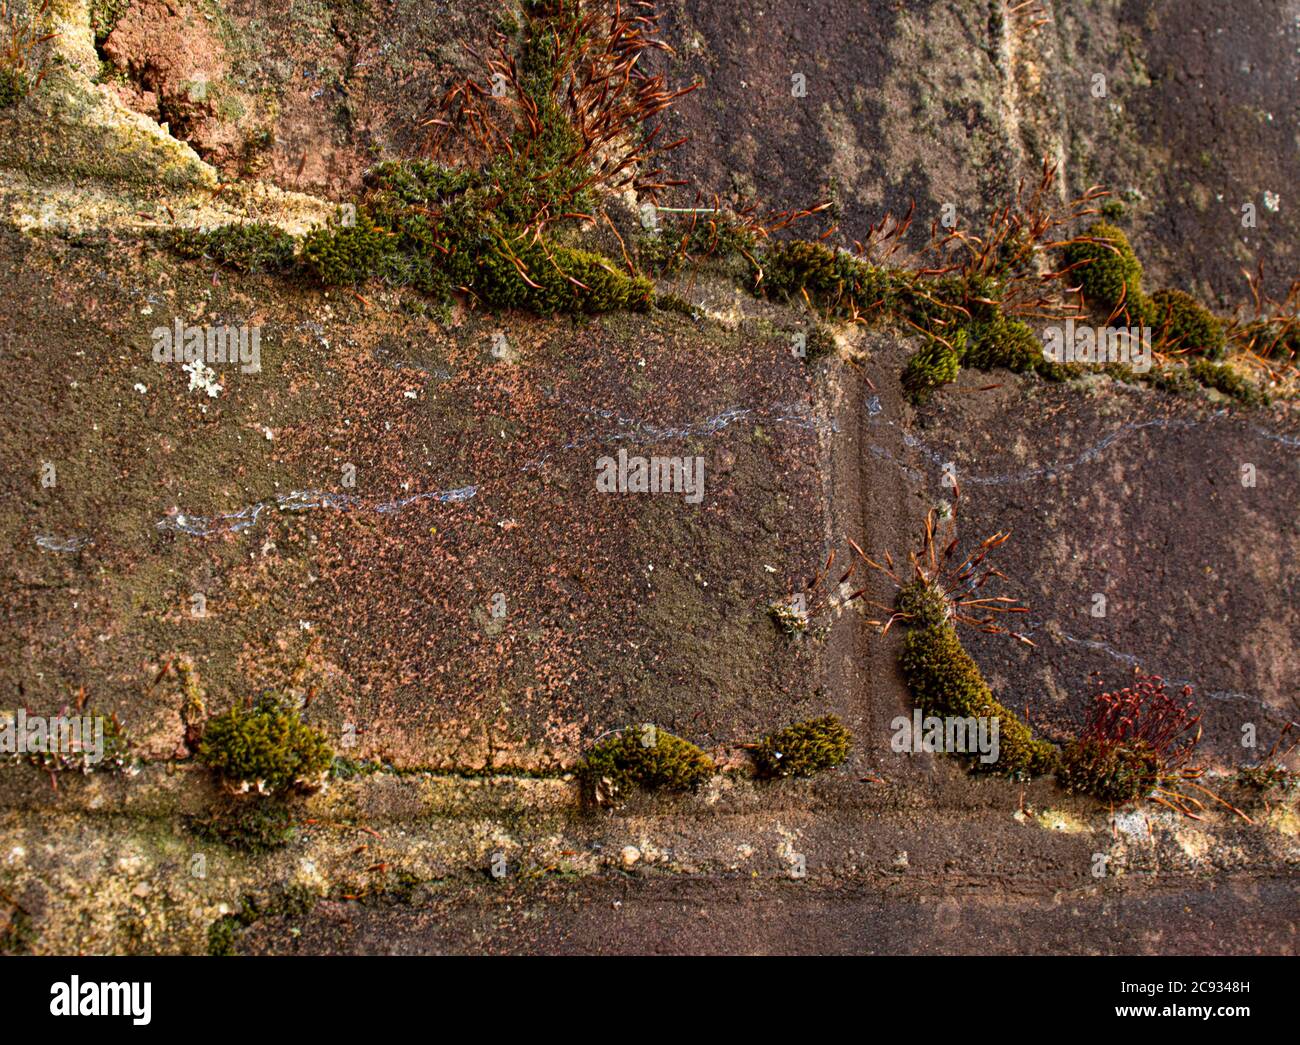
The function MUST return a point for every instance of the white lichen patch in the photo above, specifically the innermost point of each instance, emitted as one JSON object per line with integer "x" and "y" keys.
{"x": 203, "y": 378}
{"x": 1059, "y": 820}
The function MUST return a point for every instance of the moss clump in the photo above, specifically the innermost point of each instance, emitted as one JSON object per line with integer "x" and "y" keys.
{"x": 1268, "y": 777}
{"x": 1271, "y": 339}
{"x": 62, "y": 757}
{"x": 441, "y": 229}
{"x": 1112, "y": 773}
{"x": 1224, "y": 379}
{"x": 676, "y": 303}
{"x": 804, "y": 748}
{"x": 345, "y": 255}
{"x": 1005, "y": 343}
{"x": 924, "y": 604}
{"x": 269, "y": 748}
{"x": 837, "y": 281}
{"x": 437, "y": 230}
{"x": 251, "y": 247}
{"x": 684, "y": 238}
{"x": 1181, "y": 323}
{"x": 819, "y": 343}
{"x": 1109, "y": 271}
{"x": 1172, "y": 379}
{"x": 644, "y": 756}
{"x": 932, "y": 365}
{"x": 559, "y": 279}
{"x": 945, "y": 681}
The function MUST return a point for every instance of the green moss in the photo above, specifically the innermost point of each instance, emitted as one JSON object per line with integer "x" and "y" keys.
{"x": 1268, "y": 777}
{"x": 1112, "y": 773}
{"x": 559, "y": 279}
{"x": 1005, "y": 343}
{"x": 1172, "y": 379}
{"x": 115, "y": 754}
{"x": 932, "y": 365}
{"x": 1271, "y": 339}
{"x": 441, "y": 229}
{"x": 1181, "y": 323}
{"x": 269, "y": 747}
{"x": 945, "y": 681}
{"x": 345, "y": 255}
{"x": 1224, "y": 379}
{"x": 1109, "y": 272}
{"x": 675, "y": 303}
{"x": 924, "y": 604}
{"x": 437, "y": 229}
{"x": 804, "y": 748}
{"x": 835, "y": 280}
{"x": 251, "y": 247}
{"x": 14, "y": 86}
{"x": 819, "y": 343}
{"x": 683, "y": 238}
{"x": 644, "y": 756}
{"x": 104, "y": 16}
{"x": 287, "y": 901}
{"x": 252, "y": 824}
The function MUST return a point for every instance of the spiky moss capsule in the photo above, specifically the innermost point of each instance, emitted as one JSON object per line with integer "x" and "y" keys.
{"x": 269, "y": 748}
{"x": 643, "y": 756}
{"x": 250, "y": 247}
{"x": 945, "y": 681}
{"x": 1116, "y": 773}
{"x": 1181, "y": 323}
{"x": 803, "y": 748}
{"x": 1108, "y": 271}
